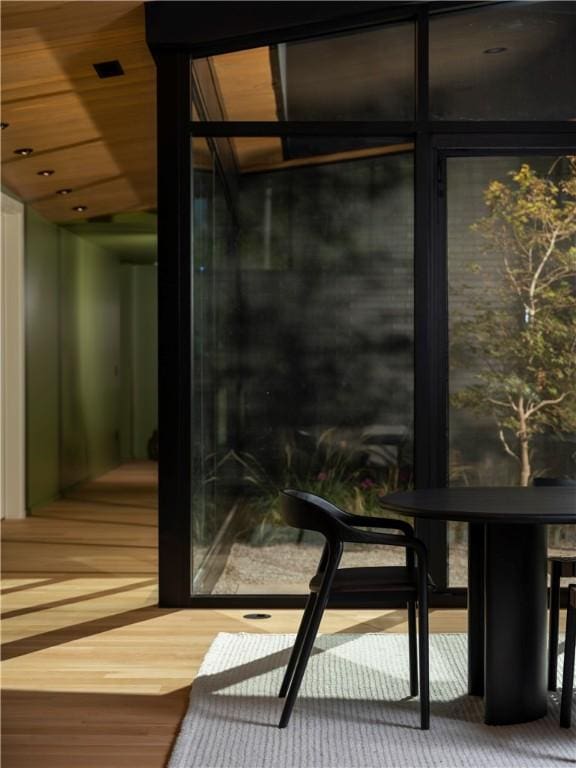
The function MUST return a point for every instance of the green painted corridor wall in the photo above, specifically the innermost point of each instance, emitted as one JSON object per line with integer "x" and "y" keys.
{"x": 89, "y": 359}
{"x": 139, "y": 353}
{"x": 72, "y": 360}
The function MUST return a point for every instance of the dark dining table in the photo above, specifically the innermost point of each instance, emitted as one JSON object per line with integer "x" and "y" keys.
{"x": 507, "y": 587}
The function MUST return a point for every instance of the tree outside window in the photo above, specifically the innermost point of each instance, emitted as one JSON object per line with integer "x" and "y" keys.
{"x": 518, "y": 332}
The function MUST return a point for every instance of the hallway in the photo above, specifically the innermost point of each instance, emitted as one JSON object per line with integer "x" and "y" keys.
{"x": 107, "y": 526}
{"x": 94, "y": 674}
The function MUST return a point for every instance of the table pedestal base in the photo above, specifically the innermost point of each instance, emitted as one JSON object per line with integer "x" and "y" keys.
{"x": 476, "y": 641}
{"x": 515, "y": 623}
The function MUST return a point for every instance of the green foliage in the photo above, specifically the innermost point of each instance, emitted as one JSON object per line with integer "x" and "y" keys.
{"x": 330, "y": 467}
{"x": 520, "y": 330}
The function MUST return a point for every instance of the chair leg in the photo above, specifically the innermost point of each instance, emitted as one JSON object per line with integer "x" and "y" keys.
{"x": 308, "y": 642}
{"x": 302, "y": 631}
{"x": 412, "y": 648}
{"x": 553, "y": 626}
{"x": 423, "y": 642}
{"x": 568, "y": 673}
{"x": 300, "y": 668}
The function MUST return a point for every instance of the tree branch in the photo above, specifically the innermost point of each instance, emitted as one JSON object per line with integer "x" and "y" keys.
{"x": 512, "y": 277}
{"x": 507, "y": 448}
{"x": 509, "y": 404}
{"x": 543, "y": 403}
{"x": 538, "y": 272}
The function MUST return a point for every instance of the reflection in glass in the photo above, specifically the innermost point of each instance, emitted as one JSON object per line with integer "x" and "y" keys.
{"x": 303, "y": 370}
{"x": 365, "y": 75}
{"x": 512, "y": 271}
{"x": 506, "y": 62}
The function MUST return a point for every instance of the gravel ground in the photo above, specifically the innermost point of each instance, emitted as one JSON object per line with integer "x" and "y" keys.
{"x": 287, "y": 568}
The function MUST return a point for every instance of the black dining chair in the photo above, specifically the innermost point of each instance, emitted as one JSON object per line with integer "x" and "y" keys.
{"x": 569, "y": 653}
{"x": 307, "y": 511}
{"x": 560, "y": 568}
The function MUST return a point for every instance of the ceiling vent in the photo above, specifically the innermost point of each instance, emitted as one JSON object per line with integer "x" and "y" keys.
{"x": 108, "y": 69}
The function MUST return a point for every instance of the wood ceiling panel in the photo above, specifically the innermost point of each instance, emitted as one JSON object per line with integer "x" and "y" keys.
{"x": 47, "y": 123}
{"x": 247, "y": 93}
{"x": 63, "y": 23}
{"x": 70, "y": 170}
{"x": 246, "y": 84}
{"x": 40, "y": 125}
{"x": 49, "y": 70}
{"x": 104, "y": 197}
{"x": 89, "y": 130}
{"x": 257, "y": 151}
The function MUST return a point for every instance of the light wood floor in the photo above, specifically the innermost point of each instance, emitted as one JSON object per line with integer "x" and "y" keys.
{"x": 94, "y": 674}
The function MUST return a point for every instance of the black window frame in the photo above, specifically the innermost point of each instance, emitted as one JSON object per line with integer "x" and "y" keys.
{"x": 178, "y": 32}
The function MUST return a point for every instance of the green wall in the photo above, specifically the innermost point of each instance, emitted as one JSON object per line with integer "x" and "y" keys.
{"x": 72, "y": 359}
{"x": 139, "y": 353}
{"x": 89, "y": 359}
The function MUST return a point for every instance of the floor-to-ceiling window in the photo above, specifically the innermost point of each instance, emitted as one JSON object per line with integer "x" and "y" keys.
{"x": 349, "y": 251}
{"x": 303, "y": 303}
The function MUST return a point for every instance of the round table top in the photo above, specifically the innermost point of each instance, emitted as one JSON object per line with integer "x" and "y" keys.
{"x": 488, "y": 505}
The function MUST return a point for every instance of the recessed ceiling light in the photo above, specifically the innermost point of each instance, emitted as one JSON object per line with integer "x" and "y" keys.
{"x": 108, "y": 69}
{"x": 80, "y": 208}
{"x": 495, "y": 50}
{"x": 63, "y": 191}
{"x": 4, "y": 125}
{"x": 45, "y": 173}
{"x": 24, "y": 152}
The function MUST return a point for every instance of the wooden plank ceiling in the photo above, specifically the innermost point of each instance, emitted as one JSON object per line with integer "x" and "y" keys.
{"x": 245, "y": 83}
{"x": 97, "y": 135}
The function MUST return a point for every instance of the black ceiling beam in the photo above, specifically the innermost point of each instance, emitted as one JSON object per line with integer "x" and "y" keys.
{"x": 207, "y": 28}
{"x": 210, "y": 28}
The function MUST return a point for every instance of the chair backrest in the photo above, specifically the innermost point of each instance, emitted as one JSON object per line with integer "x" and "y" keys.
{"x": 309, "y": 512}
{"x": 553, "y": 481}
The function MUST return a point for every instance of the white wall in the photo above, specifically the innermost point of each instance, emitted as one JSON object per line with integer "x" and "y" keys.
{"x": 12, "y": 392}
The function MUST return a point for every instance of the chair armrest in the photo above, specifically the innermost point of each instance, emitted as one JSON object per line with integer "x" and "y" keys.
{"x": 380, "y": 522}
{"x": 352, "y": 535}
{"x": 412, "y": 545}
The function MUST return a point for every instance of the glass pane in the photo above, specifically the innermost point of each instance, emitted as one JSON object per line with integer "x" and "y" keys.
{"x": 366, "y": 75}
{"x": 512, "y": 296}
{"x": 506, "y": 62}
{"x": 303, "y": 373}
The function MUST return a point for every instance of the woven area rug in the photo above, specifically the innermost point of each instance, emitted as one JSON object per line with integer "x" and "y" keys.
{"x": 353, "y": 710}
